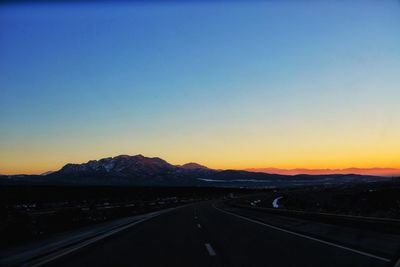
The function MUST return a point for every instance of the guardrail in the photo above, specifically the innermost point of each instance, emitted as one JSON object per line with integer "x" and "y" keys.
{"x": 372, "y": 223}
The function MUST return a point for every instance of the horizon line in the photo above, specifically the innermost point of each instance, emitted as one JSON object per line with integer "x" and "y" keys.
{"x": 375, "y": 171}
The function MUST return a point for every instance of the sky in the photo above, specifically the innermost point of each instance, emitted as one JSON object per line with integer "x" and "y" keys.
{"x": 283, "y": 84}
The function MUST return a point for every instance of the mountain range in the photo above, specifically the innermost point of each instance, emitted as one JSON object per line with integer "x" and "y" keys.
{"x": 138, "y": 170}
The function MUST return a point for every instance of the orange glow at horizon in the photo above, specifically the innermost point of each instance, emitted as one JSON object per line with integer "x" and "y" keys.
{"x": 278, "y": 165}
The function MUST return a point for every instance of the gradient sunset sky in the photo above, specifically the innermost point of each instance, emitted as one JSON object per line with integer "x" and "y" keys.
{"x": 285, "y": 84}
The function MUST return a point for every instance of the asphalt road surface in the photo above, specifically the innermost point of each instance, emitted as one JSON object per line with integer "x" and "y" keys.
{"x": 211, "y": 234}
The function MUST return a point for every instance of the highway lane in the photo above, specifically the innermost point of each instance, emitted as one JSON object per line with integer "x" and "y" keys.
{"x": 206, "y": 234}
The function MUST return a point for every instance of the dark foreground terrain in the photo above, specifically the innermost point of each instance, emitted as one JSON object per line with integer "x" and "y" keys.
{"x": 213, "y": 234}
{"x": 165, "y": 226}
{"x": 379, "y": 199}
{"x": 33, "y": 212}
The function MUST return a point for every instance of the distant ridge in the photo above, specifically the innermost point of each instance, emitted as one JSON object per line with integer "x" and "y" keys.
{"x": 192, "y": 165}
{"x": 360, "y": 171}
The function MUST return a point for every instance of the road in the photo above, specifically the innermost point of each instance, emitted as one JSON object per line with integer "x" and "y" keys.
{"x": 211, "y": 234}
{"x": 275, "y": 202}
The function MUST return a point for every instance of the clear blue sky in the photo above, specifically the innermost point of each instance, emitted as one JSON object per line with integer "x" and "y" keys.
{"x": 243, "y": 84}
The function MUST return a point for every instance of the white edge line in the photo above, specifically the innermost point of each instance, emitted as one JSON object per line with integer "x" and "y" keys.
{"x": 66, "y": 251}
{"x": 69, "y": 250}
{"x": 210, "y": 249}
{"x": 307, "y": 237}
{"x": 397, "y": 264}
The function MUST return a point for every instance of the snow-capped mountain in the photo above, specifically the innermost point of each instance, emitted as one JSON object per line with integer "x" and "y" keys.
{"x": 132, "y": 170}
{"x": 122, "y": 165}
